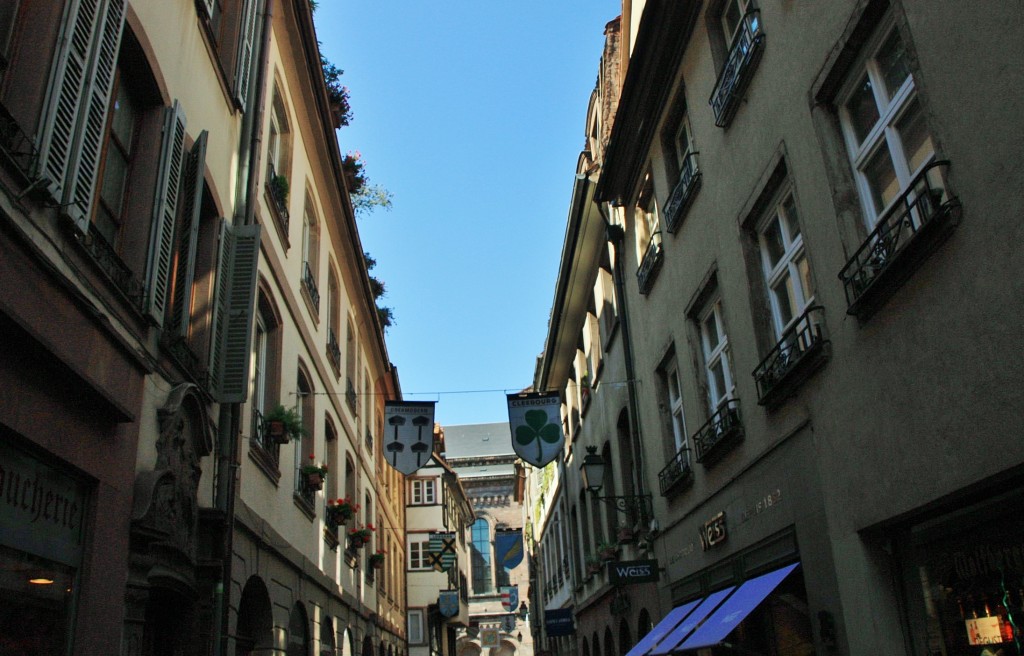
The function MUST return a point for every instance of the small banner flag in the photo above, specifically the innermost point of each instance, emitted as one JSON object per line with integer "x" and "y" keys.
{"x": 448, "y": 602}
{"x": 489, "y": 638}
{"x": 508, "y": 547}
{"x": 441, "y": 551}
{"x": 510, "y": 597}
{"x": 408, "y": 434}
{"x": 534, "y": 418}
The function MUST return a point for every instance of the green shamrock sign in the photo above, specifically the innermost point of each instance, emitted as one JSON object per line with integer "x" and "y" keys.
{"x": 537, "y": 428}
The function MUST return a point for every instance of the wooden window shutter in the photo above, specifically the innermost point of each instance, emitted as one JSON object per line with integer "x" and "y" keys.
{"x": 165, "y": 211}
{"x": 233, "y": 308}
{"x": 75, "y": 113}
{"x": 246, "y": 47}
{"x": 188, "y": 235}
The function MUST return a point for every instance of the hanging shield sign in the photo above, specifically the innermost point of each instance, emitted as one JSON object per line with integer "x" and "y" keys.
{"x": 534, "y": 419}
{"x": 408, "y": 434}
{"x": 508, "y": 547}
{"x": 448, "y": 602}
{"x": 510, "y": 597}
{"x": 508, "y": 623}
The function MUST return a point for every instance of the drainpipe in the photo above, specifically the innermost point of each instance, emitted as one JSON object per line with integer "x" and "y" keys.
{"x": 229, "y": 424}
{"x": 616, "y": 235}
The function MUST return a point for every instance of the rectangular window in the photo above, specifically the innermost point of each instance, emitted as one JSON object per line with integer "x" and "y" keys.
{"x": 883, "y": 125}
{"x": 415, "y": 626}
{"x": 787, "y": 273}
{"x": 422, "y": 491}
{"x": 673, "y": 390}
{"x": 732, "y": 17}
{"x": 418, "y": 554}
{"x": 715, "y": 346}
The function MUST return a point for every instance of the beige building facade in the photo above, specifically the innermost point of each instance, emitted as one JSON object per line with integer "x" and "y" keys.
{"x": 802, "y": 213}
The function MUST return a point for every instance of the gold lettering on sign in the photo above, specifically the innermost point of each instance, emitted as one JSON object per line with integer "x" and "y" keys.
{"x": 713, "y": 531}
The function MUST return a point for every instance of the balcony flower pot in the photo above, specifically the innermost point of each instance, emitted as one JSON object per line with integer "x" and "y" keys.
{"x": 625, "y": 534}
{"x": 339, "y": 511}
{"x": 594, "y": 566}
{"x": 314, "y": 473}
{"x": 608, "y": 551}
{"x": 283, "y": 424}
{"x": 377, "y": 560}
{"x": 358, "y": 537}
{"x": 315, "y": 481}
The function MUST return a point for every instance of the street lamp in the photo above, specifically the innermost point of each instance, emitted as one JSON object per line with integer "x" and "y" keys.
{"x": 637, "y": 506}
{"x": 524, "y": 611}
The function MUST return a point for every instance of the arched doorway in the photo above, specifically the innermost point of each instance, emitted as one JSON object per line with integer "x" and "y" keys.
{"x": 625, "y": 640}
{"x": 255, "y": 619}
{"x": 643, "y": 625}
{"x": 327, "y": 645}
{"x": 298, "y": 631}
{"x": 609, "y": 642}
{"x": 367, "y": 646}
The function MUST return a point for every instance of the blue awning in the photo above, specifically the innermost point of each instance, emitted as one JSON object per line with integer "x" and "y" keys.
{"x": 735, "y": 609}
{"x": 708, "y": 604}
{"x": 669, "y": 622}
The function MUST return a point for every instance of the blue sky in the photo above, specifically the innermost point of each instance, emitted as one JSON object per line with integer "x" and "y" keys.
{"x": 472, "y": 114}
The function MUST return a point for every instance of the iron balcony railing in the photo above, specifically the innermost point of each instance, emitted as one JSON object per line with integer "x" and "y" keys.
{"x": 683, "y": 193}
{"x": 107, "y": 259}
{"x": 913, "y": 224}
{"x": 651, "y": 264}
{"x": 310, "y": 284}
{"x": 279, "y": 196}
{"x": 744, "y": 55}
{"x": 16, "y": 147}
{"x": 721, "y": 432}
{"x": 676, "y": 474}
{"x": 262, "y": 437}
{"x": 350, "y": 395}
{"x": 179, "y": 348}
{"x": 801, "y": 346}
{"x": 333, "y": 350}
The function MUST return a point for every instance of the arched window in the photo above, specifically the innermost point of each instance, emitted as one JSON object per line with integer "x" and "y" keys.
{"x": 266, "y": 367}
{"x": 333, "y": 320}
{"x": 298, "y": 632}
{"x": 327, "y": 636}
{"x": 304, "y": 451}
{"x": 609, "y": 642}
{"x": 625, "y": 640}
{"x": 483, "y": 577}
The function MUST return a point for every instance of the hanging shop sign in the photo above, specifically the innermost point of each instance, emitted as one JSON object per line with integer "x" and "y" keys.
{"x": 534, "y": 419}
{"x": 510, "y": 597}
{"x": 633, "y": 571}
{"x": 441, "y": 551}
{"x": 448, "y": 602}
{"x": 558, "y": 622}
{"x": 408, "y": 434}
{"x": 508, "y": 547}
{"x": 712, "y": 532}
{"x": 508, "y": 623}
{"x": 489, "y": 638}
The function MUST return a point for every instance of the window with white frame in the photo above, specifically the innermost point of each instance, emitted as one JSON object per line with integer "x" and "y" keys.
{"x": 415, "y": 626}
{"x": 732, "y": 17}
{"x": 682, "y": 141}
{"x": 419, "y": 547}
{"x": 422, "y": 492}
{"x": 715, "y": 346}
{"x": 786, "y": 270}
{"x": 674, "y": 393}
{"x": 647, "y": 222}
{"x": 883, "y": 124}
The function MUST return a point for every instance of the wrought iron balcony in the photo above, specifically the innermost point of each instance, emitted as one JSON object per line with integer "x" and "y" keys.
{"x": 802, "y": 349}
{"x": 744, "y": 54}
{"x": 914, "y": 225}
{"x": 179, "y": 348}
{"x": 677, "y": 474}
{"x": 683, "y": 193}
{"x": 720, "y": 434}
{"x": 651, "y": 264}
{"x": 107, "y": 259}
{"x": 279, "y": 196}
{"x": 261, "y": 436}
{"x": 333, "y": 350}
{"x": 309, "y": 282}
{"x": 17, "y": 148}
{"x": 350, "y": 395}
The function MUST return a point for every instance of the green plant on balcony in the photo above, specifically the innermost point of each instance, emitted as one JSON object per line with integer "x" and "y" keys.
{"x": 279, "y": 189}
{"x": 283, "y": 424}
{"x": 359, "y": 536}
{"x": 608, "y": 551}
{"x": 377, "y": 560}
{"x": 353, "y": 167}
{"x": 314, "y": 473}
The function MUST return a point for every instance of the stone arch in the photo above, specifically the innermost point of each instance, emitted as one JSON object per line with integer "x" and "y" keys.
{"x": 348, "y": 642}
{"x": 255, "y": 625}
{"x": 625, "y": 637}
{"x": 327, "y": 640}
{"x": 367, "y": 646}
{"x": 298, "y": 631}
{"x": 585, "y": 647}
{"x": 609, "y": 642}
{"x": 643, "y": 624}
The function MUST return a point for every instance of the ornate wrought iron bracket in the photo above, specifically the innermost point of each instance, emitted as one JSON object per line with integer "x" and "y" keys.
{"x": 638, "y": 506}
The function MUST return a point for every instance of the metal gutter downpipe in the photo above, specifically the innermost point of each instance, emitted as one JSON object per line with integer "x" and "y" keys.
{"x": 616, "y": 235}
{"x": 229, "y": 424}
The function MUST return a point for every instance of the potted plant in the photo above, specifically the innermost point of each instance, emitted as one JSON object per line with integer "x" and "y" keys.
{"x": 377, "y": 559}
{"x": 608, "y": 551}
{"x": 337, "y": 94}
{"x": 314, "y": 473}
{"x": 340, "y": 511}
{"x": 357, "y": 537}
{"x": 625, "y": 534}
{"x": 594, "y": 566}
{"x": 279, "y": 189}
{"x": 283, "y": 424}
{"x": 355, "y": 176}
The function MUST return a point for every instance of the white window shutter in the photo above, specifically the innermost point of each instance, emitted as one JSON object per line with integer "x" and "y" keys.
{"x": 233, "y": 311}
{"x": 75, "y": 113}
{"x": 246, "y": 46}
{"x": 165, "y": 211}
{"x": 188, "y": 235}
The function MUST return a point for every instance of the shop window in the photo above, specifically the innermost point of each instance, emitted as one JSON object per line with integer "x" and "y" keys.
{"x": 38, "y": 594}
